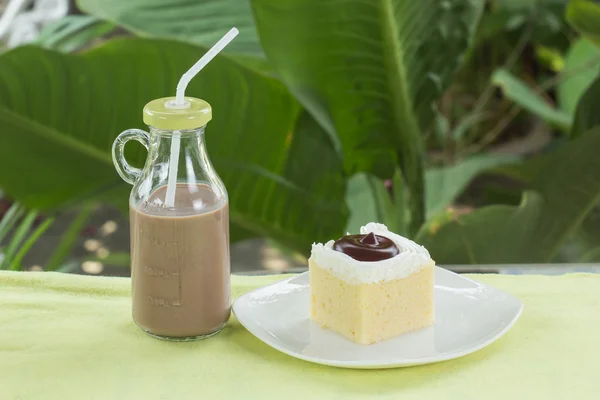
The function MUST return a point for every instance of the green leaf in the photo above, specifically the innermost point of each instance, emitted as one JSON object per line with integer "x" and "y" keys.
{"x": 503, "y": 17}
{"x": 525, "y": 4}
{"x": 444, "y": 184}
{"x": 369, "y": 72}
{"x": 402, "y": 219}
{"x": 370, "y": 200}
{"x": 570, "y": 90}
{"x": 592, "y": 256}
{"x": 15, "y": 263}
{"x": 496, "y": 23}
{"x": 586, "y": 114}
{"x": 69, "y": 238}
{"x": 517, "y": 91}
{"x": 525, "y": 171}
{"x": 584, "y": 16}
{"x": 493, "y": 234}
{"x": 314, "y": 166}
{"x": 17, "y": 238}
{"x": 551, "y": 58}
{"x": 542, "y": 21}
{"x": 467, "y": 123}
{"x": 441, "y": 127}
{"x": 589, "y": 233}
{"x": 587, "y": 236}
{"x": 60, "y": 114}
{"x": 199, "y": 22}
{"x": 73, "y": 32}
{"x": 10, "y": 219}
{"x": 563, "y": 194}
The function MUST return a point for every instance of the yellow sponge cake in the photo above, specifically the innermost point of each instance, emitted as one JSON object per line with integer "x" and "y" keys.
{"x": 373, "y": 286}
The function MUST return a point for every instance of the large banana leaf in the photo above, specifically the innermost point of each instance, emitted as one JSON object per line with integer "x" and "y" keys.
{"x": 60, "y": 114}
{"x": 369, "y": 199}
{"x": 565, "y": 189}
{"x": 586, "y": 114}
{"x": 313, "y": 165}
{"x": 369, "y": 72}
{"x": 197, "y": 21}
{"x": 445, "y": 184}
{"x": 582, "y": 65}
{"x": 587, "y": 119}
{"x": 74, "y": 32}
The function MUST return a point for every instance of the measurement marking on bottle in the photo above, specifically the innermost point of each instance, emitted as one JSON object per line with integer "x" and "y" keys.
{"x": 148, "y": 206}
{"x": 179, "y": 288}
{"x": 163, "y": 273}
{"x": 160, "y": 242}
{"x": 162, "y": 302}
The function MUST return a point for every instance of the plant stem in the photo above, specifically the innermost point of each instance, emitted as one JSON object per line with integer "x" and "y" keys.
{"x": 408, "y": 137}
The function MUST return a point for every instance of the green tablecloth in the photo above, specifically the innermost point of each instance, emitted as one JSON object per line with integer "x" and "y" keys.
{"x": 72, "y": 337}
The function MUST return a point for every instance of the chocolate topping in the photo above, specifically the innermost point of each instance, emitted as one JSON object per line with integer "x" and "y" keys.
{"x": 368, "y": 247}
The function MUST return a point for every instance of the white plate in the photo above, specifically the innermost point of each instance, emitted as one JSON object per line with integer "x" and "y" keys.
{"x": 468, "y": 316}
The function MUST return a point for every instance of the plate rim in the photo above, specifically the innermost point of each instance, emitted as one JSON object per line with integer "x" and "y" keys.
{"x": 407, "y": 362}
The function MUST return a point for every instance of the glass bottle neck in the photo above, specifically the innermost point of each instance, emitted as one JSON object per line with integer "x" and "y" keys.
{"x": 191, "y": 146}
{"x": 198, "y": 187}
{"x": 193, "y": 163}
{"x": 194, "y": 137}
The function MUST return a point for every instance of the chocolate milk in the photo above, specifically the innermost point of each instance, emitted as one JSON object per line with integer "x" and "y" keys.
{"x": 180, "y": 263}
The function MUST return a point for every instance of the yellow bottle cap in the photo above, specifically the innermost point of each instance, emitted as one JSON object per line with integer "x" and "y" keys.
{"x": 165, "y": 114}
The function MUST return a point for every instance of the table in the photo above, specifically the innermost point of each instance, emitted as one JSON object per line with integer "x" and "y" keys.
{"x": 504, "y": 269}
{"x": 71, "y": 337}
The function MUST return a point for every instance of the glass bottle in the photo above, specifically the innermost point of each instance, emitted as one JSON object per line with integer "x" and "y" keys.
{"x": 179, "y": 253}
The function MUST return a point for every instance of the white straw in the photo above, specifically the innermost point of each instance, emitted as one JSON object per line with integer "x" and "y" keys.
{"x": 173, "y": 165}
{"x": 201, "y": 63}
{"x": 179, "y": 103}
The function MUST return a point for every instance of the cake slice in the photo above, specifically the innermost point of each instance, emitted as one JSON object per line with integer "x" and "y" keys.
{"x": 371, "y": 287}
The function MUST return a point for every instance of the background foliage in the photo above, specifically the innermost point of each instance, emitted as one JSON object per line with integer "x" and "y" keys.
{"x": 467, "y": 125}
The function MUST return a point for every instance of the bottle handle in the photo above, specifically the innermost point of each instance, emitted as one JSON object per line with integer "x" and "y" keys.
{"x": 128, "y": 173}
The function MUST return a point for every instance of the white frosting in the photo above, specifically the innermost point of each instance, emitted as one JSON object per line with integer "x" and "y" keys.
{"x": 412, "y": 258}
